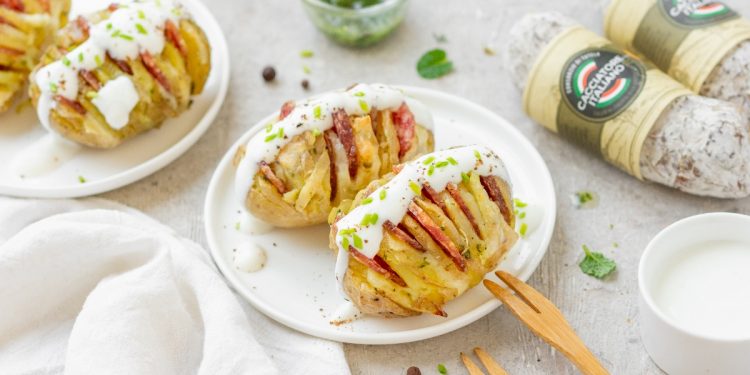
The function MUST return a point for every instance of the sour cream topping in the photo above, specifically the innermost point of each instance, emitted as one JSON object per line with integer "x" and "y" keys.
{"x": 362, "y": 228}
{"x": 135, "y": 27}
{"x": 316, "y": 115}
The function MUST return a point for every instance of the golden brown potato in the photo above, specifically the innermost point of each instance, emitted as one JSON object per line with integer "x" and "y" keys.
{"x": 26, "y": 28}
{"x": 163, "y": 82}
{"x": 314, "y": 171}
{"x": 442, "y": 246}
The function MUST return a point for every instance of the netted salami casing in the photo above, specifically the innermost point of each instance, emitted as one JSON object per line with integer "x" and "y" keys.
{"x": 704, "y": 45}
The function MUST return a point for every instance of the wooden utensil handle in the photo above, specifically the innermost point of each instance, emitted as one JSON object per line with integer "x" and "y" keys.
{"x": 582, "y": 357}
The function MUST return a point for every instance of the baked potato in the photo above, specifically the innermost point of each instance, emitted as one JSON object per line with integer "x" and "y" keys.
{"x": 414, "y": 240}
{"x": 121, "y": 71}
{"x": 26, "y": 28}
{"x": 320, "y": 152}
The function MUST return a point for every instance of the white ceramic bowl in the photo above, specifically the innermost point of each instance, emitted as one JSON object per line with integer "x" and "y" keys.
{"x": 676, "y": 347}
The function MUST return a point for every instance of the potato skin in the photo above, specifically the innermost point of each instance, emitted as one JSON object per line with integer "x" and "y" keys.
{"x": 305, "y": 166}
{"x": 432, "y": 278}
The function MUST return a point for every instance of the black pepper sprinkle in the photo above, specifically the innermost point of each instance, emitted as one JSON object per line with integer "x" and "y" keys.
{"x": 305, "y": 84}
{"x": 269, "y": 73}
{"x": 413, "y": 370}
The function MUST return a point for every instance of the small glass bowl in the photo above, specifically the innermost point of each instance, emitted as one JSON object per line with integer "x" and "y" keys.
{"x": 356, "y": 27}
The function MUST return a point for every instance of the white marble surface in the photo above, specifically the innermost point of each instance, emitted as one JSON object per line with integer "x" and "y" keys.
{"x": 262, "y": 32}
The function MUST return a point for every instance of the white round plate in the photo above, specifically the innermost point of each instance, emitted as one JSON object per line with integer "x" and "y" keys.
{"x": 297, "y": 286}
{"x": 105, "y": 170}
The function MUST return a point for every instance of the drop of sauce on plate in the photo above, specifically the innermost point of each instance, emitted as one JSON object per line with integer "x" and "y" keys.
{"x": 345, "y": 313}
{"x": 43, "y": 156}
{"x": 250, "y": 257}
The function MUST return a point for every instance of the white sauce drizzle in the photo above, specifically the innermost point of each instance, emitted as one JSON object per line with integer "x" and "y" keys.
{"x": 115, "y": 101}
{"x": 316, "y": 115}
{"x": 43, "y": 156}
{"x": 390, "y": 202}
{"x": 249, "y": 224}
{"x": 249, "y": 257}
{"x": 135, "y": 27}
{"x": 345, "y": 313}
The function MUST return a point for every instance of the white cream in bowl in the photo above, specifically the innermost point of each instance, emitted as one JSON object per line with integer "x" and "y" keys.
{"x": 706, "y": 289}
{"x": 694, "y": 283}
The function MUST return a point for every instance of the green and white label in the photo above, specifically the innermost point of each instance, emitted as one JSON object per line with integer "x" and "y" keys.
{"x": 696, "y": 13}
{"x": 599, "y": 84}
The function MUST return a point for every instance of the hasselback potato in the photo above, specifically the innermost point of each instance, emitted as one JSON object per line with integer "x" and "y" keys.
{"x": 412, "y": 241}
{"x": 26, "y": 28}
{"x": 121, "y": 71}
{"x": 324, "y": 150}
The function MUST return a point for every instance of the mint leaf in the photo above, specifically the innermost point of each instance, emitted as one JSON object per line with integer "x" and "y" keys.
{"x": 434, "y": 64}
{"x": 596, "y": 264}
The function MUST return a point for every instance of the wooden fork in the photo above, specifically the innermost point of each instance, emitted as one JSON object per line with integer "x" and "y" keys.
{"x": 545, "y": 320}
{"x": 492, "y": 367}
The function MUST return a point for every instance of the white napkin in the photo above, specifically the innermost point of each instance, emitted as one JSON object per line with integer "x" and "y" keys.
{"x": 100, "y": 288}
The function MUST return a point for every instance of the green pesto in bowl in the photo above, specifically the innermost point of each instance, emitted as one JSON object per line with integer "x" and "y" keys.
{"x": 356, "y": 23}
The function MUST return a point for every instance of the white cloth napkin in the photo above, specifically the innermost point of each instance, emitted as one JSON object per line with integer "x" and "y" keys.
{"x": 93, "y": 287}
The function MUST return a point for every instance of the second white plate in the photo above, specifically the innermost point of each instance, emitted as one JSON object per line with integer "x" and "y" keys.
{"x": 297, "y": 286}
{"x": 94, "y": 171}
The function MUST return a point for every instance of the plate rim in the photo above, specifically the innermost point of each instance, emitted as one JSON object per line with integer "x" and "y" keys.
{"x": 385, "y": 338}
{"x": 161, "y": 160}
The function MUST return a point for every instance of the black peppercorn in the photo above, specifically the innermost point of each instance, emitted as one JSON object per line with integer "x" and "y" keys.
{"x": 305, "y": 84}
{"x": 269, "y": 73}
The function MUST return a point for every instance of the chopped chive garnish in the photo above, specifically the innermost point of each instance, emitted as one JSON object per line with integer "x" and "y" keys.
{"x": 415, "y": 187}
{"x": 431, "y": 170}
{"x": 523, "y": 229}
{"x": 125, "y": 36}
{"x": 316, "y": 112}
{"x": 281, "y": 132}
{"x": 269, "y": 127}
{"x": 477, "y": 155}
{"x": 141, "y": 29}
{"x": 80, "y": 57}
{"x": 65, "y": 61}
{"x": 357, "y": 241}
{"x": 382, "y": 194}
{"x": 316, "y": 132}
{"x": 367, "y": 200}
{"x": 109, "y": 26}
{"x": 271, "y": 137}
{"x": 53, "y": 87}
{"x": 306, "y": 69}
{"x": 364, "y": 106}
{"x": 359, "y": 93}
{"x": 237, "y": 226}
{"x": 81, "y": 179}
{"x": 177, "y": 12}
{"x": 464, "y": 177}
{"x": 452, "y": 160}
{"x": 428, "y": 160}
{"x": 519, "y": 203}
{"x": 442, "y": 164}
{"x": 345, "y": 232}
{"x": 141, "y": 15}
{"x": 369, "y": 219}
{"x": 522, "y": 215}
{"x": 345, "y": 243}
{"x": 306, "y": 53}
{"x": 98, "y": 59}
